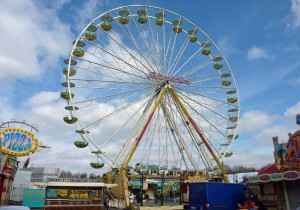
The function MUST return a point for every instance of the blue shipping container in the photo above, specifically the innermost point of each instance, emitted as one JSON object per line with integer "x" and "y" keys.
{"x": 34, "y": 198}
{"x": 220, "y": 196}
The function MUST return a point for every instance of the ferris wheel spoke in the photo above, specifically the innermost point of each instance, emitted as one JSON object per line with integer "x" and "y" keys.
{"x": 172, "y": 50}
{"x": 125, "y": 123}
{"x": 187, "y": 61}
{"x": 98, "y": 87}
{"x": 197, "y": 68}
{"x": 206, "y": 89}
{"x": 205, "y": 80}
{"x": 132, "y": 40}
{"x": 197, "y": 142}
{"x": 205, "y": 156}
{"x": 186, "y": 122}
{"x": 160, "y": 54}
{"x": 198, "y": 145}
{"x": 129, "y": 142}
{"x": 174, "y": 136}
{"x": 121, "y": 50}
{"x": 203, "y": 86}
{"x": 183, "y": 146}
{"x": 164, "y": 46}
{"x": 167, "y": 52}
{"x": 204, "y": 76}
{"x": 172, "y": 146}
{"x": 106, "y": 75}
{"x": 116, "y": 56}
{"x": 206, "y": 106}
{"x": 159, "y": 66}
{"x": 149, "y": 50}
{"x": 211, "y": 122}
{"x": 140, "y": 53}
{"x": 147, "y": 150}
{"x": 203, "y": 104}
{"x": 119, "y": 70}
{"x": 145, "y": 42}
{"x": 179, "y": 55}
{"x": 111, "y": 72}
{"x": 206, "y": 159}
{"x": 103, "y": 156}
{"x": 109, "y": 96}
{"x": 112, "y": 81}
{"x": 214, "y": 99}
{"x": 115, "y": 112}
{"x": 167, "y": 148}
{"x": 156, "y": 126}
{"x": 109, "y": 64}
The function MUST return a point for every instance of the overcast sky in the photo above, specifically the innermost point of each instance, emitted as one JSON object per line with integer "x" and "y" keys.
{"x": 259, "y": 38}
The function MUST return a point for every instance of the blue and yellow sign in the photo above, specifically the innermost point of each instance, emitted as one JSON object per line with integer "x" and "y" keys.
{"x": 18, "y": 142}
{"x": 34, "y": 198}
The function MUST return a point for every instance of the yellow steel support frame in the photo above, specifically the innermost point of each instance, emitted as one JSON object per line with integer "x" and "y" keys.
{"x": 162, "y": 93}
{"x": 200, "y": 134}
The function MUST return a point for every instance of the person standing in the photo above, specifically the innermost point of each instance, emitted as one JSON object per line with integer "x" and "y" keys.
{"x": 106, "y": 204}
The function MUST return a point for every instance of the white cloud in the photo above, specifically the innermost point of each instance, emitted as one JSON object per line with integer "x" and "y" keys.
{"x": 253, "y": 121}
{"x": 263, "y": 139}
{"x": 295, "y": 9}
{"x": 249, "y": 158}
{"x": 291, "y": 48}
{"x": 33, "y": 39}
{"x": 227, "y": 47}
{"x": 291, "y": 112}
{"x": 257, "y": 53}
{"x": 87, "y": 12}
{"x": 43, "y": 98}
{"x": 255, "y": 146}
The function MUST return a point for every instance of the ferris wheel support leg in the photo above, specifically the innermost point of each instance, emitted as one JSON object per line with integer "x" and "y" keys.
{"x": 162, "y": 93}
{"x": 200, "y": 134}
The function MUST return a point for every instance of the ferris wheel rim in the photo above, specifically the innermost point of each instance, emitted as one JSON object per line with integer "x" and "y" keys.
{"x": 70, "y": 101}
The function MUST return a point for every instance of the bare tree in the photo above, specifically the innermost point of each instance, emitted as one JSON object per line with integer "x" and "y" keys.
{"x": 83, "y": 175}
{"x": 239, "y": 169}
{"x": 92, "y": 176}
{"x": 62, "y": 174}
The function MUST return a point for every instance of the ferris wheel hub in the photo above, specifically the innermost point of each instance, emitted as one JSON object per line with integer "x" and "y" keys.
{"x": 158, "y": 76}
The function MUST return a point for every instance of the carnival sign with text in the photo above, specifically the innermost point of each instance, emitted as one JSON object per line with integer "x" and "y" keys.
{"x": 18, "y": 142}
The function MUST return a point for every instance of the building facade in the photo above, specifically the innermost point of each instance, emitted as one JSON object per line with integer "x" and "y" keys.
{"x": 41, "y": 174}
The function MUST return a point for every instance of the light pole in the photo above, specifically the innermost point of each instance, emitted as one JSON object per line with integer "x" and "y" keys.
{"x": 180, "y": 188}
{"x": 161, "y": 190}
{"x": 235, "y": 178}
{"x": 141, "y": 188}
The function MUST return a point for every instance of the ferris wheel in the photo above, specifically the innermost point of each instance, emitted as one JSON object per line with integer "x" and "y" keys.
{"x": 146, "y": 85}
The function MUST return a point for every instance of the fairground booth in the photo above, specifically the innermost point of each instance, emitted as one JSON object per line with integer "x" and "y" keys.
{"x": 77, "y": 195}
{"x": 278, "y": 186}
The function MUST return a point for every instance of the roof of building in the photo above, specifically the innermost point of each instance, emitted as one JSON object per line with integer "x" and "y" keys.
{"x": 75, "y": 184}
{"x": 272, "y": 169}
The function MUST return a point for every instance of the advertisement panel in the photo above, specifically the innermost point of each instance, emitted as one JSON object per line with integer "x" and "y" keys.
{"x": 34, "y": 198}
{"x": 18, "y": 142}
